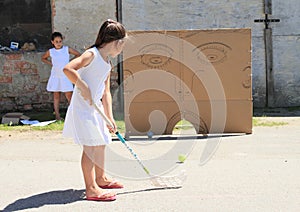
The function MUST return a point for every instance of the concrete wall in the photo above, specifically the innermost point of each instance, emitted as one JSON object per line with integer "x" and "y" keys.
{"x": 206, "y": 14}
{"x": 286, "y": 43}
{"x": 79, "y": 21}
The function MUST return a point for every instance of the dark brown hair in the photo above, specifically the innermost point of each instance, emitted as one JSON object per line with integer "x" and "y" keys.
{"x": 109, "y": 31}
{"x": 56, "y": 34}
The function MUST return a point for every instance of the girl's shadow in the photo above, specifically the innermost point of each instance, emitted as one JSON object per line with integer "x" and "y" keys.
{"x": 49, "y": 198}
{"x": 61, "y": 198}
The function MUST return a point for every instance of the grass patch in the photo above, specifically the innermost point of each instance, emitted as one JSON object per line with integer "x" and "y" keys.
{"x": 183, "y": 125}
{"x": 56, "y": 126}
{"x": 263, "y": 123}
{"x": 40, "y": 116}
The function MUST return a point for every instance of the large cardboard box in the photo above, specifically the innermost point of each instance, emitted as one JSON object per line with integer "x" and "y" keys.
{"x": 202, "y": 76}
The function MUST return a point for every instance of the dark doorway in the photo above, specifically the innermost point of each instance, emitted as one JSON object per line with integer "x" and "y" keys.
{"x": 24, "y": 21}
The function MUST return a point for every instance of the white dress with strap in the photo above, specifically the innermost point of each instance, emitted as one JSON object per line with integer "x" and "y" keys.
{"x": 83, "y": 123}
{"x": 58, "y": 82}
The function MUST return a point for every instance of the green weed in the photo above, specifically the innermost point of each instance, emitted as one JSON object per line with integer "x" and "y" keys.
{"x": 263, "y": 123}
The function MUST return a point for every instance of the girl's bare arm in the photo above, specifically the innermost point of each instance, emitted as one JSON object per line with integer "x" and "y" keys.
{"x": 74, "y": 52}
{"x": 71, "y": 68}
{"x": 70, "y": 71}
{"x": 45, "y": 58}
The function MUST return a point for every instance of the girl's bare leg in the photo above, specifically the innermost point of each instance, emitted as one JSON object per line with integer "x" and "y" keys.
{"x": 56, "y": 101}
{"x": 101, "y": 178}
{"x": 88, "y": 168}
{"x": 68, "y": 96}
{"x": 99, "y": 168}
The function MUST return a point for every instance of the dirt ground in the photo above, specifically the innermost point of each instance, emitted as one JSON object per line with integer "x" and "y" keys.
{"x": 29, "y": 135}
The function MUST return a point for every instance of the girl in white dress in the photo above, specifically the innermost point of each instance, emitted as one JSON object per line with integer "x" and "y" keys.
{"x": 58, "y": 82}
{"x": 91, "y": 75}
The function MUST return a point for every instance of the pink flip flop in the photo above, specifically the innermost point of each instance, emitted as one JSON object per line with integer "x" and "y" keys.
{"x": 102, "y": 198}
{"x": 112, "y": 185}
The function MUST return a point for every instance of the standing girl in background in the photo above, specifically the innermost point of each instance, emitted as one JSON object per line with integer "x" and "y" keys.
{"x": 58, "y": 82}
{"x": 91, "y": 75}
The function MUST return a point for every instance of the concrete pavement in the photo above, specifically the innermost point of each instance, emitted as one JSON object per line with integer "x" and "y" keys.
{"x": 257, "y": 172}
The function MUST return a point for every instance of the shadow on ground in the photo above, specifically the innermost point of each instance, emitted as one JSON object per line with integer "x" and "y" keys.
{"x": 49, "y": 198}
{"x": 61, "y": 198}
{"x": 181, "y": 137}
{"x": 148, "y": 189}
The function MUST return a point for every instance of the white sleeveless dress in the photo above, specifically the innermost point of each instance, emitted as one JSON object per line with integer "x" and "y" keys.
{"x": 58, "y": 82}
{"x": 83, "y": 123}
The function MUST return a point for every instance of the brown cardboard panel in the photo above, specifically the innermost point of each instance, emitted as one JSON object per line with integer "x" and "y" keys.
{"x": 172, "y": 71}
{"x": 159, "y": 81}
{"x": 235, "y": 117}
{"x": 226, "y": 69}
{"x": 143, "y": 120}
{"x": 159, "y": 43}
{"x": 229, "y": 54}
{"x": 152, "y": 96}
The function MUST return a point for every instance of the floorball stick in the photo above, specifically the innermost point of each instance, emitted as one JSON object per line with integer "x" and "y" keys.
{"x": 159, "y": 181}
